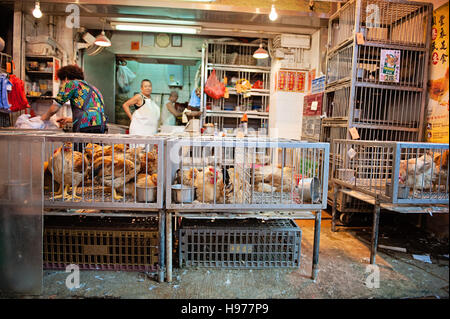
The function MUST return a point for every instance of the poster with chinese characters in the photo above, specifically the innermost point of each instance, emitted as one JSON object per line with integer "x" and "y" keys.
{"x": 281, "y": 81}
{"x": 300, "y": 82}
{"x": 437, "y": 128}
{"x": 390, "y": 66}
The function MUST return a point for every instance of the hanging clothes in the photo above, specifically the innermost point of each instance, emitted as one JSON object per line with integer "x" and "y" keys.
{"x": 5, "y": 87}
{"x": 17, "y": 96}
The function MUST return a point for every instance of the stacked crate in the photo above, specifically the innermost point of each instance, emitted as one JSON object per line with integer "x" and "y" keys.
{"x": 358, "y": 102}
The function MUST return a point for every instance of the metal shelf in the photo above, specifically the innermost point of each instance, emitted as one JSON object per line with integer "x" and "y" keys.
{"x": 255, "y": 115}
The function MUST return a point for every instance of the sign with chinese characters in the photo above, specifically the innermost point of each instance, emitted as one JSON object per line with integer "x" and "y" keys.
{"x": 290, "y": 81}
{"x": 390, "y": 66}
{"x": 437, "y": 129}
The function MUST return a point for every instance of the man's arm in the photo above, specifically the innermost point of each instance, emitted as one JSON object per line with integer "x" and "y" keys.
{"x": 170, "y": 106}
{"x": 133, "y": 101}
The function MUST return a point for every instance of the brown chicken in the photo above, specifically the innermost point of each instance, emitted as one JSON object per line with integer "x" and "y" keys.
{"x": 67, "y": 165}
{"x": 440, "y": 174}
{"x": 234, "y": 191}
{"x": 204, "y": 183}
{"x": 121, "y": 170}
{"x": 151, "y": 158}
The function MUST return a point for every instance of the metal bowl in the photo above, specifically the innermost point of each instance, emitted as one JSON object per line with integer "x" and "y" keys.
{"x": 141, "y": 192}
{"x": 183, "y": 193}
{"x": 310, "y": 187}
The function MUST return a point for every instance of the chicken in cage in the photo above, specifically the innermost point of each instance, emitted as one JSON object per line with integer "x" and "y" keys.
{"x": 125, "y": 171}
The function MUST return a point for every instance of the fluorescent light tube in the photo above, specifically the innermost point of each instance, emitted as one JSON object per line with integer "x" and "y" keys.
{"x": 155, "y": 28}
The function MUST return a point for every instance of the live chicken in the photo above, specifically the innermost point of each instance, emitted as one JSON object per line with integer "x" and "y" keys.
{"x": 68, "y": 167}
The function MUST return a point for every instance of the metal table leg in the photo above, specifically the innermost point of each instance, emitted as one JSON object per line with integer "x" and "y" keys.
{"x": 376, "y": 220}
{"x": 333, "y": 210}
{"x": 162, "y": 245}
{"x": 169, "y": 245}
{"x": 315, "y": 265}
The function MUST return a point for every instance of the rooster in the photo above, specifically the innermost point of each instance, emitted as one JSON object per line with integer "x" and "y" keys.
{"x": 124, "y": 171}
{"x": 204, "y": 183}
{"x": 70, "y": 164}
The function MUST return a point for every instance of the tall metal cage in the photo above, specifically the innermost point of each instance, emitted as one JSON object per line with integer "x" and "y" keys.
{"x": 360, "y": 101}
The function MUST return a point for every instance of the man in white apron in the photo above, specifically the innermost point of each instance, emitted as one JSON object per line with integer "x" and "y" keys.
{"x": 145, "y": 119}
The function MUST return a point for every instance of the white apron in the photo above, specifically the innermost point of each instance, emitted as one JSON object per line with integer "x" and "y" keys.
{"x": 145, "y": 120}
{"x": 167, "y": 118}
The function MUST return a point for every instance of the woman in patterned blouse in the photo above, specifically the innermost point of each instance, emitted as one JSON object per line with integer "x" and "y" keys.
{"x": 86, "y": 101}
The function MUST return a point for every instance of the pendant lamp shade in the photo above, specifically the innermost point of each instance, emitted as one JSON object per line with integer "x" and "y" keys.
{"x": 102, "y": 41}
{"x": 261, "y": 53}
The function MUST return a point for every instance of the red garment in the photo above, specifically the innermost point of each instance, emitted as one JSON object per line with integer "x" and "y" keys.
{"x": 16, "y": 97}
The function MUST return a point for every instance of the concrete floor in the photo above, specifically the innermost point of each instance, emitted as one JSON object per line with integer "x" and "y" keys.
{"x": 343, "y": 262}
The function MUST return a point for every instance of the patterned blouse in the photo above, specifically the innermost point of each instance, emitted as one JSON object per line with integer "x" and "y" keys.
{"x": 77, "y": 92}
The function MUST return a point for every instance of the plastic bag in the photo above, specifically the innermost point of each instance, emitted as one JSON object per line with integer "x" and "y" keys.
{"x": 213, "y": 87}
{"x": 124, "y": 77}
{"x": 25, "y": 121}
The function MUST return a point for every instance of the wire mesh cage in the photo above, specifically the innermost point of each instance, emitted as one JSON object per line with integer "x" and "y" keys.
{"x": 103, "y": 171}
{"x": 99, "y": 244}
{"x": 248, "y": 243}
{"x": 339, "y": 65}
{"x": 246, "y": 174}
{"x": 396, "y": 172}
{"x": 337, "y": 101}
{"x": 393, "y": 22}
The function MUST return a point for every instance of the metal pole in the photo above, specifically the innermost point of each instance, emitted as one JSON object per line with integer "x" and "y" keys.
{"x": 376, "y": 220}
{"x": 161, "y": 219}
{"x": 333, "y": 211}
{"x": 169, "y": 245}
{"x": 315, "y": 265}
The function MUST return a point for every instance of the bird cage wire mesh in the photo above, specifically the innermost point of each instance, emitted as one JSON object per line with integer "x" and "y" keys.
{"x": 103, "y": 171}
{"x": 247, "y": 174}
{"x": 249, "y": 243}
{"x": 396, "y": 172}
{"x": 394, "y": 22}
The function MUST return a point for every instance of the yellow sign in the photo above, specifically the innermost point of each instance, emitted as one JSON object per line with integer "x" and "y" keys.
{"x": 437, "y": 129}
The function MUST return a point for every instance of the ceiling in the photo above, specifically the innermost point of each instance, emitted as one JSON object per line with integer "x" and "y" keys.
{"x": 219, "y": 17}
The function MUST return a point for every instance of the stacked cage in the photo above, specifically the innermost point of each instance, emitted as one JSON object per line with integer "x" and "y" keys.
{"x": 377, "y": 70}
{"x": 104, "y": 180}
{"x": 228, "y": 177}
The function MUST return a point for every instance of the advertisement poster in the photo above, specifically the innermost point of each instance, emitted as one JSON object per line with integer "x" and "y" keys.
{"x": 437, "y": 129}
{"x": 390, "y": 66}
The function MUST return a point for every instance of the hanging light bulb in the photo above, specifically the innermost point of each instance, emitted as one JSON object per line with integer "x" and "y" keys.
{"x": 260, "y": 53}
{"x": 273, "y": 13}
{"x": 102, "y": 41}
{"x": 37, "y": 13}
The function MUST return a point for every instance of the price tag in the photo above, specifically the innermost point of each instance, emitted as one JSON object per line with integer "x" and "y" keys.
{"x": 354, "y": 133}
{"x": 314, "y": 106}
{"x": 360, "y": 38}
